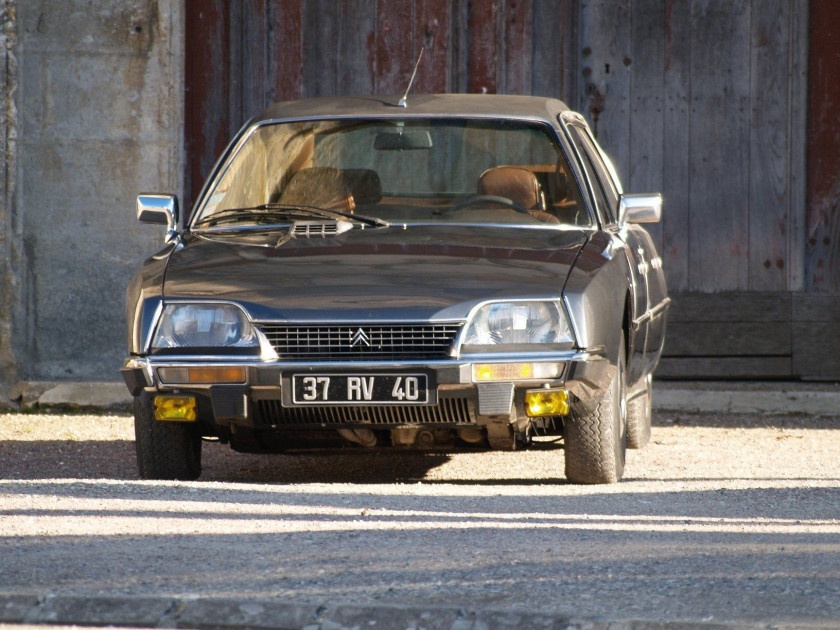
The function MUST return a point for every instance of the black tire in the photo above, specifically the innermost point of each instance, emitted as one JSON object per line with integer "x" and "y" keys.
{"x": 165, "y": 450}
{"x": 639, "y": 413}
{"x": 596, "y": 434}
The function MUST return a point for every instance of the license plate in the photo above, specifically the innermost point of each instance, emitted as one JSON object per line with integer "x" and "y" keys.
{"x": 360, "y": 389}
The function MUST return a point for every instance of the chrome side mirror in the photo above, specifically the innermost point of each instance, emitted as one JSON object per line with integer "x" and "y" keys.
{"x": 644, "y": 208}
{"x": 159, "y": 209}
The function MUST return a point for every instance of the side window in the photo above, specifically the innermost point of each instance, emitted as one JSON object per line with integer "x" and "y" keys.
{"x": 605, "y": 189}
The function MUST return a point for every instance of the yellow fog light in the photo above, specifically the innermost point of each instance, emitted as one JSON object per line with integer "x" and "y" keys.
{"x": 547, "y": 402}
{"x": 175, "y": 408}
{"x": 515, "y": 371}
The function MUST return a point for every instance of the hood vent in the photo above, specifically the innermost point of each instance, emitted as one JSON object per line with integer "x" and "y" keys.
{"x": 320, "y": 229}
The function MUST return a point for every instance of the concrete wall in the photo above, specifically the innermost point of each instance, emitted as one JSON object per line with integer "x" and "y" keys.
{"x": 94, "y": 115}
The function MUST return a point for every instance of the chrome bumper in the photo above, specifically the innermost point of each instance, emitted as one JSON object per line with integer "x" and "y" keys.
{"x": 585, "y": 375}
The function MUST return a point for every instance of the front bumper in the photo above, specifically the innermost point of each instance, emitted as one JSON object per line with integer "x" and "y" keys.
{"x": 584, "y": 374}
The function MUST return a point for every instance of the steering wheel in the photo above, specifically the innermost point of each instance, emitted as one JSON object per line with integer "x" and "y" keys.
{"x": 497, "y": 199}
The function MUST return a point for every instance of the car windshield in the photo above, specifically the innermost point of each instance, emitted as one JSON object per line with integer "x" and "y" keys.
{"x": 399, "y": 171}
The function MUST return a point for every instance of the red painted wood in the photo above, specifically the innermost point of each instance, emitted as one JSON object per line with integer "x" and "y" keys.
{"x": 434, "y": 20}
{"x": 823, "y": 196}
{"x": 285, "y": 49}
{"x": 207, "y": 88}
{"x": 394, "y": 45}
{"x": 482, "y": 50}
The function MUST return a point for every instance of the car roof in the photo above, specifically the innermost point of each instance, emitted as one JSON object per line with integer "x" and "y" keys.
{"x": 419, "y": 105}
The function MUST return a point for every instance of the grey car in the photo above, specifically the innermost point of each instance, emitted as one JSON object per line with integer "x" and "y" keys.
{"x": 454, "y": 272}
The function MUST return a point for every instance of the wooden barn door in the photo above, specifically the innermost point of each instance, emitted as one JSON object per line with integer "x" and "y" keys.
{"x": 705, "y": 101}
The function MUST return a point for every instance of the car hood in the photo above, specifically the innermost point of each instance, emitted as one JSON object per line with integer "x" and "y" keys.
{"x": 400, "y": 273}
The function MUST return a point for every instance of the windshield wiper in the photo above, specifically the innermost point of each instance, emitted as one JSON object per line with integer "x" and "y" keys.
{"x": 271, "y": 212}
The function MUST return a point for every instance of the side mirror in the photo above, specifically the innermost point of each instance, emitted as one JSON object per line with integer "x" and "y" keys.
{"x": 159, "y": 209}
{"x": 644, "y": 208}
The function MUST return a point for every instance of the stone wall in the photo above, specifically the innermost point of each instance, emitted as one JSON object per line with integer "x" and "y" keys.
{"x": 97, "y": 87}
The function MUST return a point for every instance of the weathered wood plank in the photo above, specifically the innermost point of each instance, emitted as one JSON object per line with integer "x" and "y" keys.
{"x": 550, "y": 55}
{"x": 675, "y": 151}
{"x": 817, "y": 307}
{"x": 725, "y": 368}
{"x": 823, "y": 210}
{"x": 393, "y": 45}
{"x": 285, "y": 49}
{"x": 356, "y": 25}
{"x": 728, "y": 339}
{"x": 517, "y": 44}
{"x": 719, "y": 146}
{"x": 482, "y": 47}
{"x": 434, "y": 17}
{"x": 605, "y": 37}
{"x": 647, "y": 120}
{"x": 798, "y": 158}
{"x": 769, "y": 194}
{"x": 816, "y": 350}
{"x": 730, "y": 307}
{"x": 207, "y": 87}
{"x": 320, "y": 54}
{"x": 253, "y": 65}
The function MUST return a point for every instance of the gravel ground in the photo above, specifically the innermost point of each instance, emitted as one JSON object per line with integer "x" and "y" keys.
{"x": 720, "y": 517}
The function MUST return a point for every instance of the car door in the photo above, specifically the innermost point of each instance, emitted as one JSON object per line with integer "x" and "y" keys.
{"x": 637, "y": 244}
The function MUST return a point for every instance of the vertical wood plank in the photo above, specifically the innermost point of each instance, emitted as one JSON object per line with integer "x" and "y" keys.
{"x": 285, "y": 49}
{"x": 797, "y": 168}
{"x": 769, "y": 193}
{"x": 719, "y": 146}
{"x": 517, "y": 36}
{"x": 236, "y": 82}
{"x": 320, "y": 53}
{"x": 460, "y": 47}
{"x": 605, "y": 36}
{"x": 207, "y": 88}
{"x": 647, "y": 95}
{"x": 356, "y": 26}
{"x": 482, "y": 47}
{"x": 255, "y": 93}
{"x": 393, "y": 45}
{"x": 823, "y": 212}
{"x": 554, "y": 55}
{"x": 675, "y": 150}
{"x": 434, "y": 18}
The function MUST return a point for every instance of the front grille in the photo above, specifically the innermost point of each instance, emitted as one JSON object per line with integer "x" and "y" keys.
{"x": 362, "y": 341}
{"x": 448, "y": 411}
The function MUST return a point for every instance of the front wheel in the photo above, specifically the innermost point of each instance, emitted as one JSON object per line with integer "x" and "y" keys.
{"x": 595, "y": 436}
{"x": 165, "y": 450}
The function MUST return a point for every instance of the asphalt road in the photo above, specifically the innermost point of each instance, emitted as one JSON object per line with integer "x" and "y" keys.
{"x": 720, "y": 518}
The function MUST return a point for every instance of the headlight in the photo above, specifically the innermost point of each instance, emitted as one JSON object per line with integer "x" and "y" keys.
{"x": 204, "y": 326}
{"x": 514, "y": 323}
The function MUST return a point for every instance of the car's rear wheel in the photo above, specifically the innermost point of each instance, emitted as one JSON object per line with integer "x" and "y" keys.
{"x": 596, "y": 434}
{"x": 165, "y": 450}
{"x": 639, "y": 413}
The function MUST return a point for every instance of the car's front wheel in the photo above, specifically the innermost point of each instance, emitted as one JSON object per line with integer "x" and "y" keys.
{"x": 165, "y": 450}
{"x": 596, "y": 434}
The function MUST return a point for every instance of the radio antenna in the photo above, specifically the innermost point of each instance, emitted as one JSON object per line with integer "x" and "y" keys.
{"x": 403, "y": 102}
